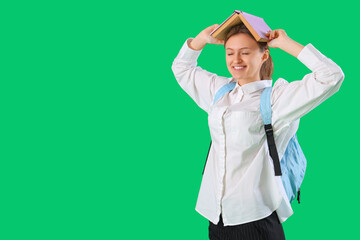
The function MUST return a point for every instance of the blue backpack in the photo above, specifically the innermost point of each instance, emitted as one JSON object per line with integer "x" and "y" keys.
{"x": 292, "y": 166}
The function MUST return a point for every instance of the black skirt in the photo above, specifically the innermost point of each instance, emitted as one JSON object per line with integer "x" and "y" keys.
{"x": 268, "y": 228}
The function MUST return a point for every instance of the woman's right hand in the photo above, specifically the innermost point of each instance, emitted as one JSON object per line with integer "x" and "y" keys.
{"x": 205, "y": 35}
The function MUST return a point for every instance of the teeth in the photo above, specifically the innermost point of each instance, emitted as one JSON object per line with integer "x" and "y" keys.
{"x": 238, "y": 67}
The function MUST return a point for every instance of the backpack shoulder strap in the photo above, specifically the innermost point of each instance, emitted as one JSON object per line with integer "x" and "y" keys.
{"x": 265, "y": 105}
{"x": 265, "y": 110}
{"x": 224, "y": 89}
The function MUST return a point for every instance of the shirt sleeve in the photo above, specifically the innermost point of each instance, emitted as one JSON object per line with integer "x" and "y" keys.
{"x": 198, "y": 83}
{"x": 293, "y": 100}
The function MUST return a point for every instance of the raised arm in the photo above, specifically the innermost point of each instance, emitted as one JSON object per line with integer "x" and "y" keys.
{"x": 291, "y": 101}
{"x": 198, "y": 83}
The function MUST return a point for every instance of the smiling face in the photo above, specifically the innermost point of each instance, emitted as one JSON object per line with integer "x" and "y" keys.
{"x": 243, "y": 58}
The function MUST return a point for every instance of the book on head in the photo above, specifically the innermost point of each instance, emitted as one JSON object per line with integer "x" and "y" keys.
{"x": 256, "y": 26}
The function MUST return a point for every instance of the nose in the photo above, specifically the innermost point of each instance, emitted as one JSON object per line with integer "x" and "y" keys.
{"x": 237, "y": 58}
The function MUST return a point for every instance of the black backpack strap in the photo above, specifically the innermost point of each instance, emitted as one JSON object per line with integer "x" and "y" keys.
{"x": 298, "y": 197}
{"x": 207, "y": 158}
{"x": 272, "y": 148}
{"x": 265, "y": 110}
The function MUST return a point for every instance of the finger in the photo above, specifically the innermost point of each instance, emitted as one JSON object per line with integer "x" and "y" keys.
{"x": 270, "y": 34}
{"x": 273, "y": 34}
{"x": 277, "y": 34}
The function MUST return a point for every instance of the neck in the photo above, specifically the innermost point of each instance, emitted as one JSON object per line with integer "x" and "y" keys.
{"x": 245, "y": 81}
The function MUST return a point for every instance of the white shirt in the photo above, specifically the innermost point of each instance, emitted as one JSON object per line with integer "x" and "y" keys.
{"x": 239, "y": 179}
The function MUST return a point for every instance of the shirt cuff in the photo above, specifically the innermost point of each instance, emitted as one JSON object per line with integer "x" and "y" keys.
{"x": 310, "y": 56}
{"x": 188, "y": 54}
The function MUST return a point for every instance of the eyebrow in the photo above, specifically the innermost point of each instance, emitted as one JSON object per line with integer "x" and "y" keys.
{"x": 239, "y": 48}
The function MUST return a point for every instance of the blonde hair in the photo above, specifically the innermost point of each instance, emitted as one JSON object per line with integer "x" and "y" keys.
{"x": 267, "y": 67}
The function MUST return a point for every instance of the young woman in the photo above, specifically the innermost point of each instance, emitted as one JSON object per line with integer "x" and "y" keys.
{"x": 239, "y": 193}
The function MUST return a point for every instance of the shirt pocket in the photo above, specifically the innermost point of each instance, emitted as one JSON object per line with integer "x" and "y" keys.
{"x": 247, "y": 128}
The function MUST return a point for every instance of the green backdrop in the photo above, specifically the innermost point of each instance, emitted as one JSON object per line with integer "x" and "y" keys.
{"x": 98, "y": 141}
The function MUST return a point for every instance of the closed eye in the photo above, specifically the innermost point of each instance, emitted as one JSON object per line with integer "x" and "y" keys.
{"x": 242, "y": 53}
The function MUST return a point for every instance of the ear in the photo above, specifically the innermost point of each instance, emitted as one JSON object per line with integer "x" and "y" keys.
{"x": 265, "y": 55}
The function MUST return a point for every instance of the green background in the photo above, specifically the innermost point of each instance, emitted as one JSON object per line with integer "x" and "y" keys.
{"x": 98, "y": 140}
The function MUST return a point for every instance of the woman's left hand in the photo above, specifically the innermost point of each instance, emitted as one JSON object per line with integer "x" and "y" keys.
{"x": 277, "y": 38}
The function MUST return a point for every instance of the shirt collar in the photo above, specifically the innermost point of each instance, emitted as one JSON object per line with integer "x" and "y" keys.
{"x": 253, "y": 86}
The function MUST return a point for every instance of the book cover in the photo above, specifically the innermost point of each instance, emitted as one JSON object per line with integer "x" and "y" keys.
{"x": 255, "y": 24}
